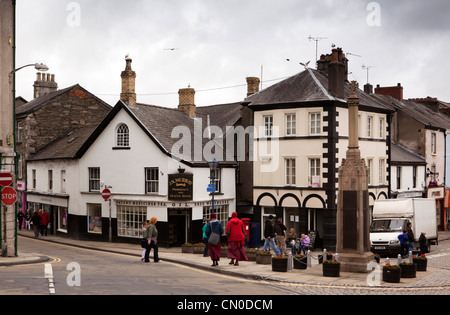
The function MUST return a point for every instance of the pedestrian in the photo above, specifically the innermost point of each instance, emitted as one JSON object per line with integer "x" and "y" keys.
{"x": 280, "y": 236}
{"x": 269, "y": 235}
{"x": 236, "y": 240}
{"x": 214, "y": 226}
{"x": 36, "y": 221}
{"x": 20, "y": 217}
{"x": 144, "y": 240}
{"x": 205, "y": 238}
{"x": 45, "y": 220}
{"x": 304, "y": 243}
{"x": 423, "y": 242}
{"x": 291, "y": 239}
{"x": 404, "y": 243}
{"x": 151, "y": 235}
{"x": 28, "y": 220}
{"x": 410, "y": 236}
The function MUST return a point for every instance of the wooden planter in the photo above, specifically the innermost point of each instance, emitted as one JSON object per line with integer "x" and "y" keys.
{"x": 408, "y": 271}
{"x": 421, "y": 263}
{"x": 392, "y": 275}
{"x": 199, "y": 249}
{"x": 251, "y": 255}
{"x": 331, "y": 270}
{"x": 300, "y": 263}
{"x": 263, "y": 259}
{"x": 224, "y": 252}
{"x": 187, "y": 249}
{"x": 279, "y": 264}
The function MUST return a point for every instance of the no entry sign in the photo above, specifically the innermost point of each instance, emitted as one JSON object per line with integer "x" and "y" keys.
{"x": 106, "y": 194}
{"x": 9, "y": 196}
{"x": 6, "y": 179}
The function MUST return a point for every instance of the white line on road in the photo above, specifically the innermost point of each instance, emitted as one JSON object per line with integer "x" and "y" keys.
{"x": 48, "y": 274}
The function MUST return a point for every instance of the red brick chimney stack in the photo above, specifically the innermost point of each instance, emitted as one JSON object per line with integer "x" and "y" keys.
{"x": 394, "y": 91}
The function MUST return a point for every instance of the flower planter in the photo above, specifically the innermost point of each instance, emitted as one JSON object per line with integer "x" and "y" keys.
{"x": 187, "y": 249}
{"x": 331, "y": 269}
{"x": 224, "y": 252}
{"x": 300, "y": 262}
{"x": 279, "y": 264}
{"x": 199, "y": 248}
{"x": 329, "y": 257}
{"x": 421, "y": 263}
{"x": 263, "y": 259}
{"x": 408, "y": 271}
{"x": 391, "y": 274}
{"x": 251, "y": 254}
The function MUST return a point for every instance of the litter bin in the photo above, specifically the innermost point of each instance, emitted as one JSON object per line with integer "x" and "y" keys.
{"x": 255, "y": 235}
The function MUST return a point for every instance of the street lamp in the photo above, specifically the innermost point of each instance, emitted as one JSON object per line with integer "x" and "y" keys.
{"x": 39, "y": 67}
{"x": 213, "y": 167}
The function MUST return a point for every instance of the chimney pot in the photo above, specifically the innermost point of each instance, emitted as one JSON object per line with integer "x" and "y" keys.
{"x": 44, "y": 84}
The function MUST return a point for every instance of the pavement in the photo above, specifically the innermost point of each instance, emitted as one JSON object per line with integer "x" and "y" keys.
{"x": 436, "y": 276}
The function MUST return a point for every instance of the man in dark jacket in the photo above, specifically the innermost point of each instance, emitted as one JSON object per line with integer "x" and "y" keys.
{"x": 36, "y": 221}
{"x": 269, "y": 235}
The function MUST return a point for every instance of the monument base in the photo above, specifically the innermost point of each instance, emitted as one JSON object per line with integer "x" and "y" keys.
{"x": 353, "y": 262}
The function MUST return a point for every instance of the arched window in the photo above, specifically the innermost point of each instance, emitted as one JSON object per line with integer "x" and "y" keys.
{"x": 123, "y": 136}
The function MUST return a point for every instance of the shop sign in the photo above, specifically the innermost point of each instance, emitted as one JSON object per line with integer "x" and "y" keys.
{"x": 181, "y": 187}
{"x": 436, "y": 192}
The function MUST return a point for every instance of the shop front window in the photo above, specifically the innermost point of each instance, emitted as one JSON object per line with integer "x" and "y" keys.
{"x": 63, "y": 218}
{"x": 95, "y": 218}
{"x": 221, "y": 214}
{"x": 129, "y": 220}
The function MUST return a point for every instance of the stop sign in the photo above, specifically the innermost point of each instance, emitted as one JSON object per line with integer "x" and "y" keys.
{"x": 9, "y": 196}
{"x": 106, "y": 194}
{"x": 6, "y": 179}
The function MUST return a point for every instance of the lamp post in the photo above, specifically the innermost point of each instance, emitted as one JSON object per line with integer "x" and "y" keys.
{"x": 12, "y": 80}
{"x": 213, "y": 167}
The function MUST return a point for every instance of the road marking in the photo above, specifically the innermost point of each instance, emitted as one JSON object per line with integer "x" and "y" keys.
{"x": 48, "y": 274}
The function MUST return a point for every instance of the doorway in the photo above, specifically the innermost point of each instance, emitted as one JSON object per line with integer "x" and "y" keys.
{"x": 179, "y": 226}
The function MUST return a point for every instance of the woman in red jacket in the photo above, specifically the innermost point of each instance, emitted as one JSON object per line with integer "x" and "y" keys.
{"x": 236, "y": 240}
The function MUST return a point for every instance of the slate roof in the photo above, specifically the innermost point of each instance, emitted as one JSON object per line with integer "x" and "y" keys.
{"x": 39, "y": 102}
{"x": 403, "y": 156}
{"x": 158, "y": 122}
{"x": 310, "y": 86}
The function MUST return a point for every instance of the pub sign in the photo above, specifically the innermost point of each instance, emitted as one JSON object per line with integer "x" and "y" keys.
{"x": 181, "y": 187}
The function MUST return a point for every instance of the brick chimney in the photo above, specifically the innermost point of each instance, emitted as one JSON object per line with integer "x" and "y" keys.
{"x": 337, "y": 73}
{"x": 44, "y": 84}
{"x": 394, "y": 91}
{"x": 252, "y": 85}
{"x": 128, "y": 95}
{"x": 187, "y": 101}
{"x": 368, "y": 88}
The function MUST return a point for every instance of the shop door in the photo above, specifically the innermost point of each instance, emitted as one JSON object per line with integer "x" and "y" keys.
{"x": 179, "y": 226}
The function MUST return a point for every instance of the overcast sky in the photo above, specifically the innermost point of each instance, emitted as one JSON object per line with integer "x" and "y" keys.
{"x": 220, "y": 43}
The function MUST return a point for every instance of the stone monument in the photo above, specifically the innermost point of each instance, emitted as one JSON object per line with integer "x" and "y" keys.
{"x": 353, "y": 219}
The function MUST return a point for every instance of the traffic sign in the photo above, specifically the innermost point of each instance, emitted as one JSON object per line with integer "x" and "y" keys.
{"x": 9, "y": 196}
{"x": 211, "y": 185}
{"x": 6, "y": 179}
{"x": 211, "y": 190}
{"x": 106, "y": 194}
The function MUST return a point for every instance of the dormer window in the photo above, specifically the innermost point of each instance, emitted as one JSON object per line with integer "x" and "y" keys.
{"x": 123, "y": 136}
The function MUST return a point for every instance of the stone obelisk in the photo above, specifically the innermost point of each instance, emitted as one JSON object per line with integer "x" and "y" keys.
{"x": 353, "y": 219}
